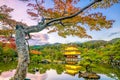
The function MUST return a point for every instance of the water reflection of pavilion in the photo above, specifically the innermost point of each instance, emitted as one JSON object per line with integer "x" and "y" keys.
{"x": 72, "y": 69}
{"x": 72, "y": 57}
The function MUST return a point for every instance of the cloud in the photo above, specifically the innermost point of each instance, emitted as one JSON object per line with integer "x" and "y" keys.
{"x": 38, "y": 39}
{"x": 114, "y": 33}
{"x": 19, "y": 13}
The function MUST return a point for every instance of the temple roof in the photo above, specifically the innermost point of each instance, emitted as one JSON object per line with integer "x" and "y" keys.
{"x": 71, "y": 50}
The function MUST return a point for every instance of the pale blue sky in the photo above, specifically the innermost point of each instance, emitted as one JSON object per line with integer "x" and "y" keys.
{"x": 111, "y": 13}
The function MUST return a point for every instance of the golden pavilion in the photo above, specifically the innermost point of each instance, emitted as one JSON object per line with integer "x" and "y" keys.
{"x": 72, "y": 54}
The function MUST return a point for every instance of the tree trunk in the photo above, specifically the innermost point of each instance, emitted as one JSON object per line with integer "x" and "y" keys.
{"x": 23, "y": 54}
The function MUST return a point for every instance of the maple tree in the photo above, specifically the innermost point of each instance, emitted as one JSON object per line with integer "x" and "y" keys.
{"x": 64, "y": 17}
{"x": 74, "y": 25}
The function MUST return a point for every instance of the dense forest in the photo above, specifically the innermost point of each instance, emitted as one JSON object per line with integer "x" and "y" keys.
{"x": 91, "y": 51}
{"x": 103, "y": 52}
{"x": 96, "y": 51}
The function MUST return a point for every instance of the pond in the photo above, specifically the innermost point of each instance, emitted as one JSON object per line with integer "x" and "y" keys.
{"x": 58, "y": 72}
{"x": 52, "y": 75}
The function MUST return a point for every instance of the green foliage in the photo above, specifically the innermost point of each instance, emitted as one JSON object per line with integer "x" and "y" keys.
{"x": 89, "y": 59}
{"x": 36, "y": 58}
{"x": 8, "y": 66}
{"x": 92, "y": 52}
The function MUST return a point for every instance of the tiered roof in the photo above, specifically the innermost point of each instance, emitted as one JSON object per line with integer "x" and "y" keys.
{"x": 71, "y": 50}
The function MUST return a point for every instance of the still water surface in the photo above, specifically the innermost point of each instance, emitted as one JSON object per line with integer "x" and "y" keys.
{"x": 57, "y": 72}
{"x": 52, "y": 75}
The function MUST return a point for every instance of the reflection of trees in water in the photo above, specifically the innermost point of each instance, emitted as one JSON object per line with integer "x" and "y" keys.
{"x": 108, "y": 70}
{"x": 7, "y": 67}
{"x": 42, "y": 68}
{"x": 60, "y": 68}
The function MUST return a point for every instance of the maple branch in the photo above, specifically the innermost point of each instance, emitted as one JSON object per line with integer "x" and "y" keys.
{"x": 60, "y": 22}
{"x": 38, "y": 6}
{"x": 39, "y": 11}
{"x": 42, "y": 26}
{"x": 49, "y": 18}
{"x": 73, "y": 15}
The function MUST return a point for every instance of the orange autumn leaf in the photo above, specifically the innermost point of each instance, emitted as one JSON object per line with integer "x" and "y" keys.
{"x": 35, "y": 52}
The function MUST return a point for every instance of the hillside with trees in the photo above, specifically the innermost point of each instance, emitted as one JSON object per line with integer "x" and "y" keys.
{"x": 103, "y": 51}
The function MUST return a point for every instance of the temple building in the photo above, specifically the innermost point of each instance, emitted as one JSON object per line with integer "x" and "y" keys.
{"x": 72, "y": 54}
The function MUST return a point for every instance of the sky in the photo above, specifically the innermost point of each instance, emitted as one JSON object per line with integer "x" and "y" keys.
{"x": 19, "y": 14}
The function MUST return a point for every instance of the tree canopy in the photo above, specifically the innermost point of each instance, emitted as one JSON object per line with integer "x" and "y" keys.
{"x": 55, "y": 16}
{"x": 75, "y": 25}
